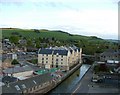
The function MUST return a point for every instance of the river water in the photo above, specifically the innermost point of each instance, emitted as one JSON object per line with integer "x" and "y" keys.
{"x": 71, "y": 82}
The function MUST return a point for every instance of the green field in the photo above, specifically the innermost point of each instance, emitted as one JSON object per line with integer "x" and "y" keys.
{"x": 45, "y": 34}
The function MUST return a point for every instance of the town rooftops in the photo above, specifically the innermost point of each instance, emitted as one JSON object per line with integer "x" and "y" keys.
{"x": 22, "y": 85}
{"x": 110, "y": 52}
{"x": 17, "y": 69}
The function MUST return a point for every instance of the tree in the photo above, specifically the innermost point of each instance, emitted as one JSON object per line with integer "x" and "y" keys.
{"x": 14, "y": 62}
{"x": 29, "y": 42}
{"x": 14, "y": 39}
{"x": 37, "y": 45}
{"x": 101, "y": 68}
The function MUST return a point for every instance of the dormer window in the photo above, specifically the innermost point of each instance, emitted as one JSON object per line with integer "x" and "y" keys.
{"x": 57, "y": 54}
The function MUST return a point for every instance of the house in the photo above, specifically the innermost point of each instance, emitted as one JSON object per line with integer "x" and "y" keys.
{"x": 59, "y": 57}
{"x": 22, "y": 41}
{"x": 6, "y": 63}
{"x": 18, "y": 71}
{"x": 110, "y": 54}
{"x": 31, "y": 85}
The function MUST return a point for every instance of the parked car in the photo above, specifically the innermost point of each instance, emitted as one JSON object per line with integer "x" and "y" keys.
{"x": 97, "y": 80}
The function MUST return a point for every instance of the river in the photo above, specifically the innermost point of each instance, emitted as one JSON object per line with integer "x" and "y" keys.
{"x": 71, "y": 82}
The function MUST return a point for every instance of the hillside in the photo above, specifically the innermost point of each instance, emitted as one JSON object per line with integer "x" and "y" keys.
{"x": 31, "y": 33}
{"x": 45, "y": 38}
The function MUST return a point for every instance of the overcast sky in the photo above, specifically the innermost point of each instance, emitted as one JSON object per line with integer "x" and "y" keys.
{"x": 83, "y": 17}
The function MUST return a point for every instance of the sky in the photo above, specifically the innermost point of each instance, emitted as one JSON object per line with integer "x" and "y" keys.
{"x": 83, "y": 17}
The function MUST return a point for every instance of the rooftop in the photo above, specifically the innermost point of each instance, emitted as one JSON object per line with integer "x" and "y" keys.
{"x": 63, "y": 50}
{"x": 21, "y": 85}
{"x": 17, "y": 69}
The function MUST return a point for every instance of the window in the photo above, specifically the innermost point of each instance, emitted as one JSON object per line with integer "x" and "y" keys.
{"x": 46, "y": 58}
{"x": 40, "y": 86}
{"x": 42, "y": 61}
{"x": 61, "y": 62}
{"x": 56, "y": 59}
{"x": 36, "y": 87}
{"x": 52, "y": 65}
{"x": 43, "y": 55}
{"x": 25, "y": 91}
{"x": 46, "y": 61}
{"x": 34, "y": 82}
{"x": 61, "y": 55}
{"x": 46, "y": 54}
{"x": 61, "y": 59}
{"x": 57, "y": 55}
{"x": 17, "y": 87}
{"x": 23, "y": 86}
{"x": 42, "y": 58}
{"x": 30, "y": 89}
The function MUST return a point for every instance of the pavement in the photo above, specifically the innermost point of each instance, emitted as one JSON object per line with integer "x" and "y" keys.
{"x": 86, "y": 86}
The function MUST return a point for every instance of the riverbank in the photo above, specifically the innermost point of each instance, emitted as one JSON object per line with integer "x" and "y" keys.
{"x": 63, "y": 78}
{"x": 70, "y": 83}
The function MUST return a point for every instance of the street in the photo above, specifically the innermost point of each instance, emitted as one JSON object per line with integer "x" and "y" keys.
{"x": 86, "y": 86}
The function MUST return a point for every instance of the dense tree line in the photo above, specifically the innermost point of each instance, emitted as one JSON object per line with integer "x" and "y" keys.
{"x": 88, "y": 46}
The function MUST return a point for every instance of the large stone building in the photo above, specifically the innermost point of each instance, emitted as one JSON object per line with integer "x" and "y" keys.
{"x": 60, "y": 57}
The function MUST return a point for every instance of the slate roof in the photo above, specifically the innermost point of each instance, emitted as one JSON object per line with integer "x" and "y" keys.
{"x": 53, "y": 51}
{"x": 110, "y": 52}
{"x": 74, "y": 48}
{"x": 45, "y": 51}
{"x": 17, "y": 69}
{"x": 61, "y": 52}
{"x": 9, "y": 79}
{"x": 26, "y": 84}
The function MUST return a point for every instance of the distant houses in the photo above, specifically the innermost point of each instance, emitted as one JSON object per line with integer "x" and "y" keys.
{"x": 110, "y": 54}
{"x": 59, "y": 57}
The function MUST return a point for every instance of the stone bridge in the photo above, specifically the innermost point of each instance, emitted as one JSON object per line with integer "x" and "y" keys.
{"x": 88, "y": 58}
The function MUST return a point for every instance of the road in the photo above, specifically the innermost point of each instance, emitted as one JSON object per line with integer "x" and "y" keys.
{"x": 86, "y": 86}
{"x": 83, "y": 86}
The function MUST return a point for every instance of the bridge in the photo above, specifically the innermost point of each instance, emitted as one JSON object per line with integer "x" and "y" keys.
{"x": 88, "y": 58}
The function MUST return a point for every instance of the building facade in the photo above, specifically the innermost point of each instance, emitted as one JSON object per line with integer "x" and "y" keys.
{"x": 110, "y": 54}
{"x": 59, "y": 57}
